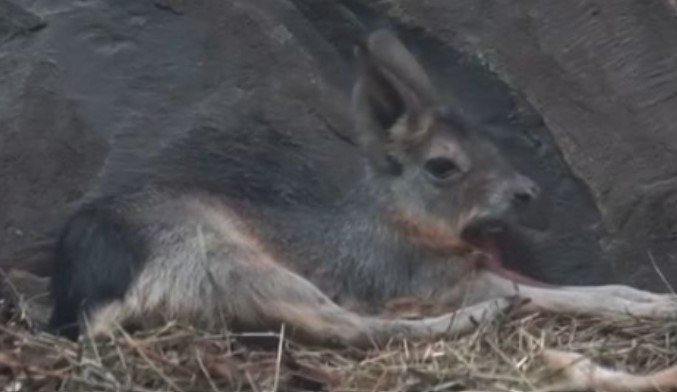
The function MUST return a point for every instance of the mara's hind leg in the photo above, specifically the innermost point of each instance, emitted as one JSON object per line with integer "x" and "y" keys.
{"x": 274, "y": 295}
{"x": 256, "y": 295}
{"x": 105, "y": 319}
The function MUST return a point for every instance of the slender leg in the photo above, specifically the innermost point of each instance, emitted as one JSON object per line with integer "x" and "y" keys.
{"x": 311, "y": 315}
{"x": 579, "y": 373}
{"x": 266, "y": 295}
{"x": 602, "y": 300}
{"x": 626, "y": 292}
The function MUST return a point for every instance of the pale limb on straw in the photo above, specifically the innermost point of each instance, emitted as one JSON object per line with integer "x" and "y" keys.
{"x": 581, "y": 374}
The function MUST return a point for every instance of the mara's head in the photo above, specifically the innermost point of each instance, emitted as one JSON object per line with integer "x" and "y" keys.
{"x": 442, "y": 178}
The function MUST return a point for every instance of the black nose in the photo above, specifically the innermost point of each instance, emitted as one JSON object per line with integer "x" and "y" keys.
{"x": 525, "y": 191}
{"x": 503, "y": 209}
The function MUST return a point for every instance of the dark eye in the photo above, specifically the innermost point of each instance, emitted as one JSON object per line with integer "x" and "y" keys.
{"x": 441, "y": 168}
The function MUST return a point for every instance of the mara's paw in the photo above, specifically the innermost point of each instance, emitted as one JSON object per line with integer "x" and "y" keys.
{"x": 626, "y": 293}
{"x": 468, "y": 318}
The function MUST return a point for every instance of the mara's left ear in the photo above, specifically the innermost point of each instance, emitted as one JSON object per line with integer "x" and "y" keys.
{"x": 392, "y": 99}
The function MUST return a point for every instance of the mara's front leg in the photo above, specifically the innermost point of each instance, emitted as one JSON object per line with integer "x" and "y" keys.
{"x": 585, "y": 300}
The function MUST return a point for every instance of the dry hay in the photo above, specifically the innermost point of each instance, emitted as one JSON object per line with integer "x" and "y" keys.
{"x": 503, "y": 355}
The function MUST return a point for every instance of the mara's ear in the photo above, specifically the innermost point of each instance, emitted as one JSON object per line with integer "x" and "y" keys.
{"x": 392, "y": 99}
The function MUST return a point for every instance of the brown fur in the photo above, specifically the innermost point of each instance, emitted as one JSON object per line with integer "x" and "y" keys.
{"x": 429, "y": 232}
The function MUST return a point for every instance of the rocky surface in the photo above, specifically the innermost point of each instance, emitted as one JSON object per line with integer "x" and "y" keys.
{"x": 578, "y": 95}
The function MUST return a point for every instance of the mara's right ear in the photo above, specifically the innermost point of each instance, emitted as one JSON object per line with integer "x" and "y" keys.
{"x": 392, "y": 99}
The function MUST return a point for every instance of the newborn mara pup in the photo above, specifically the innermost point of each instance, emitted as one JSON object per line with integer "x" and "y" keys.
{"x": 258, "y": 226}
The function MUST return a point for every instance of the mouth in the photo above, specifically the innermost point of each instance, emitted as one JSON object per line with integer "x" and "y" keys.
{"x": 484, "y": 234}
{"x": 500, "y": 251}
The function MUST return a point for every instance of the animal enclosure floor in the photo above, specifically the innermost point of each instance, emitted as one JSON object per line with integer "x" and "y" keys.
{"x": 504, "y": 355}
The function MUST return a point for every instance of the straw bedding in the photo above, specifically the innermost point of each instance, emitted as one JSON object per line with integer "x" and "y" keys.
{"x": 502, "y": 355}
